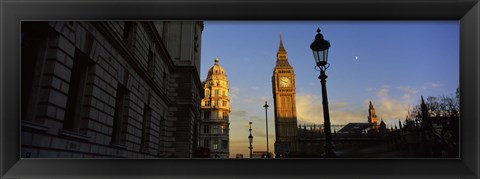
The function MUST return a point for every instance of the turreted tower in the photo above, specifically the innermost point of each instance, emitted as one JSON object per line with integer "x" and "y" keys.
{"x": 214, "y": 127}
{"x": 372, "y": 116}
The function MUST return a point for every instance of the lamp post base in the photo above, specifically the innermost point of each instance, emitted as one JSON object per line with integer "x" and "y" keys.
{"x": 329, "y": 152}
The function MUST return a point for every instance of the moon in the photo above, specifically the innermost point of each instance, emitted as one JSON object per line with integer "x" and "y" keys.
{"x": 356, "y": 57}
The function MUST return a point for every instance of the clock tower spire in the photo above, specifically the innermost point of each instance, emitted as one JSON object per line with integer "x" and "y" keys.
{"x": 372, "y": 116}
{"x": 283, "y": 87}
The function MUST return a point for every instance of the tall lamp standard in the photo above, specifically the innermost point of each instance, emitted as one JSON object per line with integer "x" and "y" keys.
{"x": 320, "y": 48}
{"x": 250, "y": 139}
{"x": 266, "y": 124}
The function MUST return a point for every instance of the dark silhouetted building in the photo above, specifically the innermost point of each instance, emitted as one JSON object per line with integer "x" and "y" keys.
{"x": 110, "y": 89}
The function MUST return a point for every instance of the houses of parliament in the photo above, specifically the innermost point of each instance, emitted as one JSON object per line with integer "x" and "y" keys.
{"x": 423, "y": 136}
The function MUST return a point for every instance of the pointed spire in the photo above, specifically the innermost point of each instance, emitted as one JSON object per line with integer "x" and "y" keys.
{"x": 370, "y": 105}
{"x": 281, "y": 48}
{"x": 408, "y": 115}
{"x": 424, "y": 108}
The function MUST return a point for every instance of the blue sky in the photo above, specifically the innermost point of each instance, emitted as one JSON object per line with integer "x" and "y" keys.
{"x": 398, "y": 61}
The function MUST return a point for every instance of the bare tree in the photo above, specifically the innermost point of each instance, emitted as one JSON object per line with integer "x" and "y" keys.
{"x": 449, "y": 106}
{"x": 446, "y": 111}
{"x": 433, "y": 106}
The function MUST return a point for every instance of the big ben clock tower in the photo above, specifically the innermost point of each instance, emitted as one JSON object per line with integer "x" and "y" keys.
{"x": 283, "y": 87}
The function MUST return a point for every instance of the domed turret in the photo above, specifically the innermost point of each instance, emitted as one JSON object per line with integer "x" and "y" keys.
{"x": 216, "y": 71}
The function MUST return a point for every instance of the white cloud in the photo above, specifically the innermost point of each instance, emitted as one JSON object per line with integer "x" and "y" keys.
{"x": 383, "y": 92}
{"x": 388, "y": 106}
{"x": 310, "y": 111}
{"x": 436, "y": 85}
{"x": 408, "y": 89}
{"x": 427, "y": 86}
{"x": 391, "y": 107}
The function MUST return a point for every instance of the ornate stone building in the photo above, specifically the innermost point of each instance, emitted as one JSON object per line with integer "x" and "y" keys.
{"x": 372, "y": 117}
{"x": 358, "y": 128}
{"x": 110, "y": 89}
{"x": 214, "y": 126}
{"x": 283, "y": 87}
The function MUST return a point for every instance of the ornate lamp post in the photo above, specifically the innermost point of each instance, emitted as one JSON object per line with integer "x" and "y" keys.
{"x": 250, "y": 139}
{"x": 266, "y": 124}
{"x": 320, "y": 48}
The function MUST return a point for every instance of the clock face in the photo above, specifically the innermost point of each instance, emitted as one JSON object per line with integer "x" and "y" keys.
{"x": 284, "y": 82}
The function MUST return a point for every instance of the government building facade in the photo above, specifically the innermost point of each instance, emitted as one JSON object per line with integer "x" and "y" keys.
{"x": 110, "y": 89}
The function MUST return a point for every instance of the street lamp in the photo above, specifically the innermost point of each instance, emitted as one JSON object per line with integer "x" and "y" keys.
{"x": 250, "y": 139}
{"x": 417, "y": 120}
{"x": 320, "y": 48}
{"x": 266, "y": 124}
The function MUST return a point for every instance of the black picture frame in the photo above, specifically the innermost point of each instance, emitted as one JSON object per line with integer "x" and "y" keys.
{"x": 466, "y": 11}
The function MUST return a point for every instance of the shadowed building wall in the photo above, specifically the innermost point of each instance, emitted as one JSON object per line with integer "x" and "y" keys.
{"x": 110, "y": 89}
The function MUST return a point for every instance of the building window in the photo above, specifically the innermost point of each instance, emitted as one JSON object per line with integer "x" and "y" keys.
{"x": 215, "y": 144}
{"x": 215, "y": 103}
{"x": 151, "y": 62}
{"x": 121, "y": 104}
{"x": 207, "y": 103}
{"x": 206, "y": 129}
{"x": 33, "y": 49}
{"x": 147, "y": 113}
{"x": 224, "y": 144}
{"x": 206, "y": 143}
{"x": 225, "y": 115}
{"x": 223, "y": 130}
{"x": 215, "y": 129}
{"x": 206, "y": 115}
{"x": 207, "y": 93}
{"x": 165, "y": 80}
{"x": 78, "y": 82}
{"x": 162, "y": 136}
{"x": 216, "y": 92}
{"x": 223, "y": 93}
